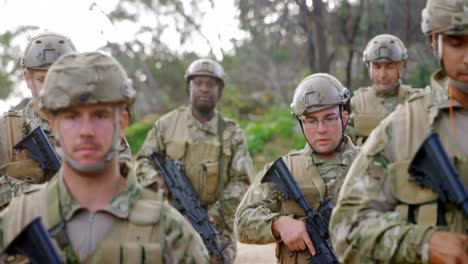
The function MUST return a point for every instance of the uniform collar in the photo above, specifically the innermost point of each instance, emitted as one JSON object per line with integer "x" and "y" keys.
{"x": 210, "y": 126}
{"x": 120, "y": 206}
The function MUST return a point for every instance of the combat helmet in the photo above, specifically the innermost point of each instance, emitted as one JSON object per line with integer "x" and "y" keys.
{"x": 205, "y": 67}
{"x": 42, "y": 50}
{"x": 385, "y": 47}
{"x": 445, "y": 16}
{"x": 85, "y": 78}
{"x": 318, "y": 91}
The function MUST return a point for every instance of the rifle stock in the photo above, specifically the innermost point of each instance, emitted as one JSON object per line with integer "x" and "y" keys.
{"x": 35, "y": 243}
{"x": 317, "y": 227}
{"x": 40, "y": 150}
{"x": 189, "y": 204}
{"x": 432, "y": 168}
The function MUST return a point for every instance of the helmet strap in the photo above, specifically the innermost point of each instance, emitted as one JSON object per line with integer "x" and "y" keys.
{"x": 100, "y": 164}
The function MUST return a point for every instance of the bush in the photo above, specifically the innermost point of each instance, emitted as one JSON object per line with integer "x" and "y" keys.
{"x": 136, "y": 134}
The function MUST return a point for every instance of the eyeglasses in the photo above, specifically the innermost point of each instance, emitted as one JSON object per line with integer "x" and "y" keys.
{"x": 313, "y": 122}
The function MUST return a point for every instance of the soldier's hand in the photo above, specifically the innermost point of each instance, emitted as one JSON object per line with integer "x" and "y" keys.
{"x": 293, "y": 233}
{"x": 161, "y": 185}
{"x": 447, "y": 247}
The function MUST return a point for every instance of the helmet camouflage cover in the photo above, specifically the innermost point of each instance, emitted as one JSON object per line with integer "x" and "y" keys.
{"x": 318, "y": 91}
{"x": 205, "y": 67}
{"x": 42, "y": 50}
{"x": 385, "y": 47}
{"x": 85, "y": 78}
{"x": 445, "y": 16}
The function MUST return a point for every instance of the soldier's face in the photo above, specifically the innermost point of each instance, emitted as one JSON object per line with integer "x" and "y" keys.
{"x": 204, "y": 93}
{"x": 86, "y": 131}
{"x": 385, "y": 72}
{"x": 323, "y": 129}
{"x": 455, "y": 56}
{"x": 35, "y": 81}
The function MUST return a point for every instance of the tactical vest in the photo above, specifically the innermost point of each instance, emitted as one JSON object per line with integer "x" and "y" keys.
{"x": 201, "y": 159}
{"x": 368, "y": 111}
{"x": 312, "y": 185}
{"x": 12, "y": 163}
{"x": 416, "y": 203}
{"x": 134, "y": 240}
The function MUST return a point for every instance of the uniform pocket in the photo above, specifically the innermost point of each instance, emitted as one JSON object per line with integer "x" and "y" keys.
{"x": 210, "y": 182}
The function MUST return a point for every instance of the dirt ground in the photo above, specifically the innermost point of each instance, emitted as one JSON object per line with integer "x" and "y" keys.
{"x": 257, "y": 254}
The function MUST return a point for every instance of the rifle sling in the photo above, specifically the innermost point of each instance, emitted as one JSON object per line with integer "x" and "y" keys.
{"x": 221, "y": 126}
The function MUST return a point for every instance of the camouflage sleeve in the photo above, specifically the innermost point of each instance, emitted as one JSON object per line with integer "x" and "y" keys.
{"x": 365, "y": 228}
{"x": 240, "y": 172}
{"x": 350, "y": 130}
{"x": 256, "y": 212}
{"x": 182, "y": 243}
{"x": 144, "y": 165}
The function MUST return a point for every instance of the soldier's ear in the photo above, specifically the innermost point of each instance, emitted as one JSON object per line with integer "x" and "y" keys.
{"x": 345, "y": 116}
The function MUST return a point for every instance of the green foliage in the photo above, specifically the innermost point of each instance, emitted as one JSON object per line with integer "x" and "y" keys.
{"x": 419, "y": 76}
{"x": 277, "y": 123}
{"x": 136, "y": 133}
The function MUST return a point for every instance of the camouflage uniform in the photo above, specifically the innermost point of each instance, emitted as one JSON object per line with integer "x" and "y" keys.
{"x": 17, "y": 171}
{"x": 317, "y": 177}
{"x": 382, "y": 214}
{"x": 370, "y": 223}
{"x": 368, "y": 108}
{"x": 179, "y": 136}
{"x": 137, "y": 226}
{"x": 372, "y": 104}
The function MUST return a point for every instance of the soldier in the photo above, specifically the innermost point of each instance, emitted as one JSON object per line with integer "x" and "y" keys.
{"x": 94, "y": 207}
{"x": 385, "y": 56}
{"x": 41, "y": 51}
{"x": 264, "y": 216}
{"x": 18, "y": 171}
{"x": 382, "y": 215}
{"x": 213, "y": 149}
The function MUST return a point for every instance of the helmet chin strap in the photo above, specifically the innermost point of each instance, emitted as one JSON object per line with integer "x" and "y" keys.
{"x": 100, "y": 164}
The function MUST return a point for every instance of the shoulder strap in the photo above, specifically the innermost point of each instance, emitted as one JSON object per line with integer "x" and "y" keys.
{"x": 221, "y": 126}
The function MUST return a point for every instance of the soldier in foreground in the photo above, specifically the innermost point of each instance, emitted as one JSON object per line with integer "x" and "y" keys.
{"x": 212, "y": 149}
{"x": 17, "y": 169}
{"x": 264, "y": 216}
{"x": 41, "y": 51}
{"x": 385, "y": 56}
{"x": 94, "y": 207}
{"x": 383, "y": 215}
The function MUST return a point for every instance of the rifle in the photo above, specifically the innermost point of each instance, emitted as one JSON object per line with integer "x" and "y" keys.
{"x": 189, "y": 204}
{"x": 40, "y": 150}
{"x": 316, "y": 226}
{"x": 35, "y": 243}
{"x": 432, "y": 168}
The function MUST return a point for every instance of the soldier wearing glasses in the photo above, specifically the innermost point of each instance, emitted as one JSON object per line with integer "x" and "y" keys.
{"x": 320, "y": 104}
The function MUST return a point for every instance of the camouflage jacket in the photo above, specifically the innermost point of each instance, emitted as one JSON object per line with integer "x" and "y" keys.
{"x": 318, "y": 178}
{"x": 179, "y": 136}
{"x": 371, "y": 223}
{"x": 143, "y": 228}
{"x": 368, "y": 108}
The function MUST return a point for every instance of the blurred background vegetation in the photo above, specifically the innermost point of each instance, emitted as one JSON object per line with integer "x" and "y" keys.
{"x": 285, "y": 41}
